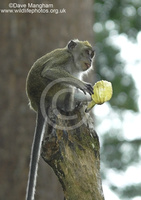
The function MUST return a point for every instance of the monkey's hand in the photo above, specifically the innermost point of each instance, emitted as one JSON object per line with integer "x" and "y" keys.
{"x": 86, "y": 87}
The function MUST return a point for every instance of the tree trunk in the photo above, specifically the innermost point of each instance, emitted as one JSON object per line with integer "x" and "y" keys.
{"x": 73, "y": 153}
{"x": 23, "y": 39}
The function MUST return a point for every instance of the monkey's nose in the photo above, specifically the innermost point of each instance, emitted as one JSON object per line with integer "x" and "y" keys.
{"x": 90, "y": 60}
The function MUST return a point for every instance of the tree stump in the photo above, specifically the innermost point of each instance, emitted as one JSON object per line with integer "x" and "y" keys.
{"x": 73, "y": 153}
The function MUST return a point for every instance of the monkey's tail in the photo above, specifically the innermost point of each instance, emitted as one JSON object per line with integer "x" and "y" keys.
{"x": 35, "y": 154}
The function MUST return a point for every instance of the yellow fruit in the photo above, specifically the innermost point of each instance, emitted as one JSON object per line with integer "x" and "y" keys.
{"x": 102, "y": 92}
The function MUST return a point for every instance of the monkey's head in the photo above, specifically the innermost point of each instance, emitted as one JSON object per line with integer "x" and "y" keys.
{"x": 83, "y": 54}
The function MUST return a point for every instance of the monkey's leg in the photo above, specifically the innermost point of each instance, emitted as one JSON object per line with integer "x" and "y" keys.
{"x": 35, "y": 154}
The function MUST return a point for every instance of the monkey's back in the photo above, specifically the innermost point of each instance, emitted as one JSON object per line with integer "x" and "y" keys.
{"x": 36, "y": 83}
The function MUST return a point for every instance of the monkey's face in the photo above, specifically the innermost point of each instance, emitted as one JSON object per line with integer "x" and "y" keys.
{"x": 83, "y": 54}
{"x": 86, "y": 58}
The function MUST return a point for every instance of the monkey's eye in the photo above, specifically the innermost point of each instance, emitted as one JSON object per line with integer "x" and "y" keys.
{"x": 90, "y": 53}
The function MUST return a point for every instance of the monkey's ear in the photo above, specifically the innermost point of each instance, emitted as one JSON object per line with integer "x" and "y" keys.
{"x": 71, "y": 45}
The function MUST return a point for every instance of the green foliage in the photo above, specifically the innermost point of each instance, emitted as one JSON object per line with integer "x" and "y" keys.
{"x": 118, "y": 154}
{"x": 129, "y": 192}
{"x": 114, "y": 18}
{"x": 125, "y": 14}
{"x": 126, "y": 152}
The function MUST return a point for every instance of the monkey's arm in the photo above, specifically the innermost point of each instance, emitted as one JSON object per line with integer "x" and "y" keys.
{"x": 35, "y": 154}
{"x": 65, "y": 77}
{"x": 81, "y": 97}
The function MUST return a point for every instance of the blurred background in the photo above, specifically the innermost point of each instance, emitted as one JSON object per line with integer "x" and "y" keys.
{"x": 114, "y": 28}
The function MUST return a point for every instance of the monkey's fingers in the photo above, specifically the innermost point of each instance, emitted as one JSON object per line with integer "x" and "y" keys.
{"x": 89, "y": 88}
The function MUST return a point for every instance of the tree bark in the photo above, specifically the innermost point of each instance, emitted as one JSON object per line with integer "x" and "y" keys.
{"x": 73, "y": 154}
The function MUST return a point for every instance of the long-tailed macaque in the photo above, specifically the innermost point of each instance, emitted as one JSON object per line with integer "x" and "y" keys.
{"x": 65, "y": 63}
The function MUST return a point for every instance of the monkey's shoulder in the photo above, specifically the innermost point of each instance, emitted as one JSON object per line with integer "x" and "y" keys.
{"x": 55, "y": 58}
